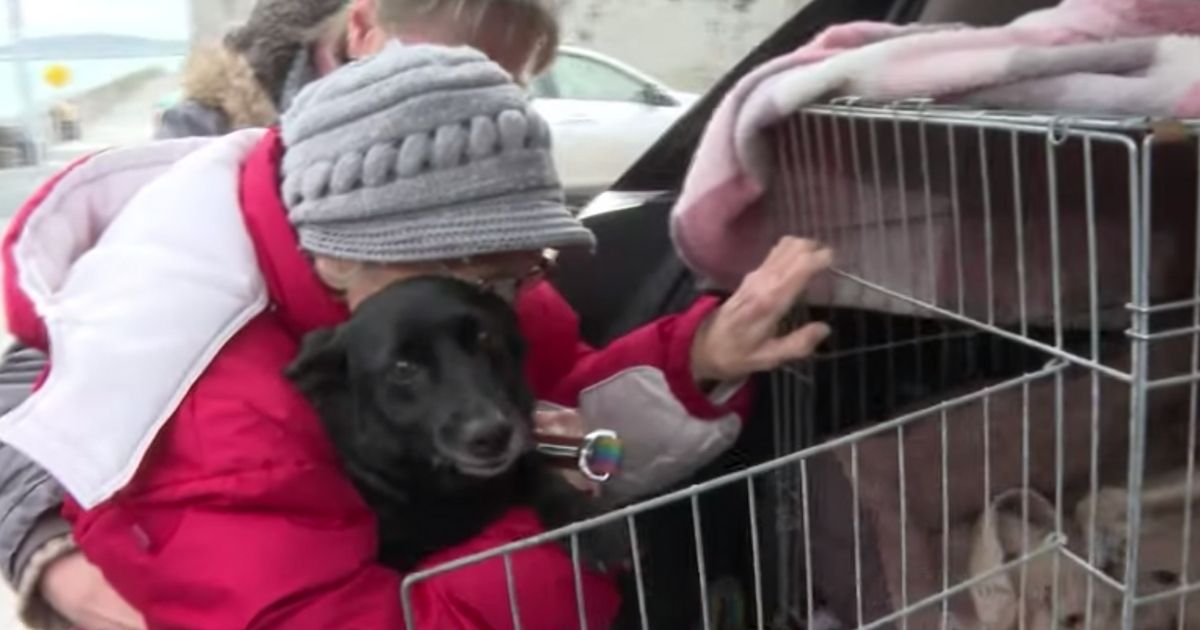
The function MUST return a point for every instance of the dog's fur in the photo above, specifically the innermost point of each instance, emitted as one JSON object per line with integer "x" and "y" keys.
{"x": 1029, "y": 516}
{"x": 421, "y": 370}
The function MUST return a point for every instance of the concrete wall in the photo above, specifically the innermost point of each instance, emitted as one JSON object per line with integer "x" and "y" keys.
{"x": 686, "y": 43}
{"x": 98, "y": 101}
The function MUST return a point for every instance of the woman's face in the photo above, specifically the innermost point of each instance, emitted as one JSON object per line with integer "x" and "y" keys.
{"x": 505, "y": 274}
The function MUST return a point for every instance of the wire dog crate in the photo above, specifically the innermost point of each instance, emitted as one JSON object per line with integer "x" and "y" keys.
{"x": 1002, "y": 432}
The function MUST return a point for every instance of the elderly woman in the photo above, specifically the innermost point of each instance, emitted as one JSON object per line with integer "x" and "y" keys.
{"x": 207, "y": 493}
{"x": 285, "y": 44}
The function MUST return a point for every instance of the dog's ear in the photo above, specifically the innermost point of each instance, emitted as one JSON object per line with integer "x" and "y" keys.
{"x": 321, "y": 362}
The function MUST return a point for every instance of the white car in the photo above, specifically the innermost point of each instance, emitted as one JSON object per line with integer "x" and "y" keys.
{"x": 603, "y": 114}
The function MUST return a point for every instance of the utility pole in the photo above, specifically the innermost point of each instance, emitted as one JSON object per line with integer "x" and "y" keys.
{"x": 29, "y": 114}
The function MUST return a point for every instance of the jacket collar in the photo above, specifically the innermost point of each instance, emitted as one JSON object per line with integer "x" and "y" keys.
{"x": 297, "y": 295}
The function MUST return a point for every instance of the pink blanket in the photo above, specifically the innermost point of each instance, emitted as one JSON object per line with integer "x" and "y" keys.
{"x": 1083, "y": 56}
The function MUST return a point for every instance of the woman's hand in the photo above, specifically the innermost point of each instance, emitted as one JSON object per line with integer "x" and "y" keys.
{"x": 742, "y": 336}
{"x": 566, "y": 422}
{"x": 78, "y": 591}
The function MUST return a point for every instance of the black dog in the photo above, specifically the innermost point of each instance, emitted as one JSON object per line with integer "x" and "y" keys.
{"x": 423, "y": 395}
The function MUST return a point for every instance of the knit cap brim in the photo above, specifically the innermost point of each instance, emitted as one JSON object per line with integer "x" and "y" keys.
{"x": 496, "y": 227}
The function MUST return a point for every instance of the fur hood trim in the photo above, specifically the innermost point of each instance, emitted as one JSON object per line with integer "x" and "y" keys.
{"x": 219, "y": 78}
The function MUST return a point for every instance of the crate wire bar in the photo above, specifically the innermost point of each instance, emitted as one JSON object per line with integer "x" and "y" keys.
{"x": 1002, "y": 431}
{"x": 695, "y": 492}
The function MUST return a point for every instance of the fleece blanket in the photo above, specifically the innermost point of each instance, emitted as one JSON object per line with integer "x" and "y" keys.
{"x": 1081, "y": 57}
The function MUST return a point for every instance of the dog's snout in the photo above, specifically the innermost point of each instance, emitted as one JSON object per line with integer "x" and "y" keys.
{"x": 487, "y": 439}
{"x": 482, "y": 444}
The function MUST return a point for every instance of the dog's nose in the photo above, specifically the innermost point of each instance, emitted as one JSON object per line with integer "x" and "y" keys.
{"x": 487, "y": 439}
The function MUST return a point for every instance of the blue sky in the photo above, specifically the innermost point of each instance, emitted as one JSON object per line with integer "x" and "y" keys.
{"x": 161, "y": 19}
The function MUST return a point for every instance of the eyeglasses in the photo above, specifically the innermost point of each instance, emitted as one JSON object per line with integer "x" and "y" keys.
{"x": 509, "y": 286}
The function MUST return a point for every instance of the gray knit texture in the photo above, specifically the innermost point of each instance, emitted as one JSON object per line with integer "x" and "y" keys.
{"x": 422, "y": 153}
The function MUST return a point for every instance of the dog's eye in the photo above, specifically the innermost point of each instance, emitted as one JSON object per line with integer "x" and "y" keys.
{"x": 403, "y": 371}
{"x": 490, "y": 342}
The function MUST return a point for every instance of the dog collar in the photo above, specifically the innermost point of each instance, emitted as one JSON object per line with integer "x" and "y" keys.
{"x": 597, "y": 455}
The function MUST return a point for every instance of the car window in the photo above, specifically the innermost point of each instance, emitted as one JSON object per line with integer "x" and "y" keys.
{"x": 583, "y": 79}
{"x": 543, "y": 86}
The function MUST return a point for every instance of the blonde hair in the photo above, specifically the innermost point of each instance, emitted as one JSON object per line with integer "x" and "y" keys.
{"x": 541, "y": 15}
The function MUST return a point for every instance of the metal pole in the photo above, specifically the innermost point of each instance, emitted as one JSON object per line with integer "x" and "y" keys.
{"x": 16, "y": 27}
{"x": 1141, "y": 198}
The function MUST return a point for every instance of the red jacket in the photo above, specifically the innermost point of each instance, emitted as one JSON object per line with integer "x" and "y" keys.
{"x": 238, "y": 515}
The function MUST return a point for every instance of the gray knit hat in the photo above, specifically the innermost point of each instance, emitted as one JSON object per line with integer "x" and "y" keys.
{"x": 422, "y": 153}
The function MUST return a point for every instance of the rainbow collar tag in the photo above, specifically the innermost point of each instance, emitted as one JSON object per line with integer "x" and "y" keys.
{"x": 597, "y": 455}
{"x": 601, "y": 455}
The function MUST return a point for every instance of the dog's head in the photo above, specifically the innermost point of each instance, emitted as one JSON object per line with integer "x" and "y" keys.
{"x": 427, "y": 373}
